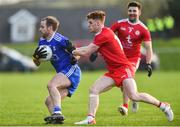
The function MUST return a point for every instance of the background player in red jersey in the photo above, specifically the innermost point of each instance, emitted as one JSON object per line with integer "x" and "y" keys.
{"x": 120, "y": 71}
{"x": 132, "y": 32}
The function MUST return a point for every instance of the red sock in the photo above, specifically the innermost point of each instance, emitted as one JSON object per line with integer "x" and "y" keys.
{"x": 125, "y": 105}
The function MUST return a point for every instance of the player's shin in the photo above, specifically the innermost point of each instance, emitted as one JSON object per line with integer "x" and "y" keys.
{"x": 93, "y": 104}
{"x": 54, "y": 94}
{"x": 49, "y": 104}
{"x": 125, "y": 99}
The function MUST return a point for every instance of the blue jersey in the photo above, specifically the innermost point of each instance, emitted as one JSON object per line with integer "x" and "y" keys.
{"x": 61, "y": 58}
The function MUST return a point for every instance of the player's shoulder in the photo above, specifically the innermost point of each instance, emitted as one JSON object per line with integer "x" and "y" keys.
{"x": 59, "y": 37}
{"x": 100, "y": 35}
{"x": 104, "y": 31}
{"x": 143, "y": 25}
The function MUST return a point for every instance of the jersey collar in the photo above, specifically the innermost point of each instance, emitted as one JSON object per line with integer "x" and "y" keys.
{"x": 48, "y": 40}
{"x": 99, "y": 31}
{"x": 133, "y": 23}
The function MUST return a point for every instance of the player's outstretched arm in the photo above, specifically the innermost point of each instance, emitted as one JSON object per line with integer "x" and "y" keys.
{"x": 86, "y": 50}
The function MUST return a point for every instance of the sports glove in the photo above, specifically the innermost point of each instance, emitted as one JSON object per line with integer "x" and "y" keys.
{"x": 149, "y": 69}
{"x": 39, "y": 53}
{"x": 73, "y": 60}
{"x": 69, "y": 46}
{"x": 93, "y": 56}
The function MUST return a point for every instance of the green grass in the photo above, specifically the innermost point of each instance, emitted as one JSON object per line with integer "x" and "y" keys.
{"x": 168, "y": 52}
{"x": 166, "y": 43}
{"x": 22, "y": 100}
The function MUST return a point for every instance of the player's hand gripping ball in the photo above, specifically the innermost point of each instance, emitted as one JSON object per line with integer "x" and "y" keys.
{"x": 43, "y": 53}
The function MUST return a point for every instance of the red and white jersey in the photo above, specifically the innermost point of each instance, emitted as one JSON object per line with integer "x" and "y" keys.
{"x": 111, "y": 49}
{"x": 131, "y": 36}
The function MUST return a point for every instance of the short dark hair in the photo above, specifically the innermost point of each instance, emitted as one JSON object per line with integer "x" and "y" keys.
{"x": 135, "y": 4}
{"x": 97, "y": 15}
{"x": 51, "y": 21}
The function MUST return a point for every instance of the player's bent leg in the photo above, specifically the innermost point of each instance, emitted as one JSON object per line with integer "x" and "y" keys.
{"x": 130, "y": 87}
{"x": 57, "y": 118}
{"x": 63, "y": 93}
{"x": 58, "y": 81}
{"x": 101, "y": 85}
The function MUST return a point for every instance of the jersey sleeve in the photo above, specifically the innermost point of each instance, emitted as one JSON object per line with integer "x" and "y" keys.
{"x": 99, "y": 40}
{"x": 63, "y": 42}
{"x": 147, "y": 35}
{"x": 66, "y": 44}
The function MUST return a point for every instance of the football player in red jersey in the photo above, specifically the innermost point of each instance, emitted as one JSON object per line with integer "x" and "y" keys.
{"x": 120, "y": 71}
{"x": 132, "y": 32}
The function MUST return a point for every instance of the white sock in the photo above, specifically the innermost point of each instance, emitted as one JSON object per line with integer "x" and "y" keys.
{"x": 90, "y": 118}
{"x": 57, "y": 110}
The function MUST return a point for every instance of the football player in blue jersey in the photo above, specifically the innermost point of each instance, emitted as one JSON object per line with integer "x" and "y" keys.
{"x": 68, "y": 76}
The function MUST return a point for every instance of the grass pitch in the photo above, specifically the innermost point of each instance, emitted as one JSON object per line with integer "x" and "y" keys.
{"x": 22, "y": 100}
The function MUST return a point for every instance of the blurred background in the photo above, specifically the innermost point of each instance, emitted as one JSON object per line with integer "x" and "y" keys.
{"x": 19, "y": 23}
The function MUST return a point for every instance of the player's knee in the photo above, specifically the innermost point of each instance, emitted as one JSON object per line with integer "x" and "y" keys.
{"x": 93, "y": 90}
{"x": 50, "y": 85}
{"x": 133, "y": 96}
